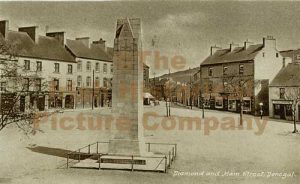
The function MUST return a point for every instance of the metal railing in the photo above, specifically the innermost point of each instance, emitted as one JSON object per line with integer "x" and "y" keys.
{"x": 89, "y": 151}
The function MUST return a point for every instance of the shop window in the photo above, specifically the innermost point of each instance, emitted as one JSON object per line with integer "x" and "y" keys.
{"x": 282, "y": 93}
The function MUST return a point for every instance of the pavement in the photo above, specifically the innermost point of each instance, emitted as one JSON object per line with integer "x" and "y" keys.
{"x": 232, "y": 155}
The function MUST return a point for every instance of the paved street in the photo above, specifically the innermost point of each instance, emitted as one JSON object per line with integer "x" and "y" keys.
{"x": 233, "y": 151}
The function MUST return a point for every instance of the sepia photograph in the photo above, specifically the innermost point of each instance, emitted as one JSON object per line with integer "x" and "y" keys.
{"x": 147, "y": 92}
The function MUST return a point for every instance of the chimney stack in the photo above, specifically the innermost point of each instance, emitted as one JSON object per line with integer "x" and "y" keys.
{"x": 101, "y": 43}
{"x": 59, "y": 36}
{"x": 232, "y": 46}
{"x": 269, "y": 42}
{"x": 213, "y": 49}
{"x": 247, "y": 43}
{"x": 85, "y": 41}
{"x": 4, "y": 25}
{"x": 31, "y": 31}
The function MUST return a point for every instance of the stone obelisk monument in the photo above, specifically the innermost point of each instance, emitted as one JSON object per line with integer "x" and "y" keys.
{"x": 127, "y": 89}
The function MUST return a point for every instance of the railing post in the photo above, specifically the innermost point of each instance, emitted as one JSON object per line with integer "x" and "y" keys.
{"x": 131, "y": 162}
{"x": 165, "y": 164}
{"x": 97, "y": 148}
{"x": 79, "y": 155}
{"x": 148, "y": 146}
{"x": 99, "y": 159}
{"x": 175, "y": 150}
{"x": 89, "y": 151}
{"x": 169, "y": 159}
{"x": 68, "y": 161}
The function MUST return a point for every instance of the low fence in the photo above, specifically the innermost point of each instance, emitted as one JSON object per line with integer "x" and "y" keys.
{"x": 95, "y": 151}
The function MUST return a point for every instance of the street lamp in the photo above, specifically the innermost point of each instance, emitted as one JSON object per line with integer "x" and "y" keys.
{"x": 261, "y": 110}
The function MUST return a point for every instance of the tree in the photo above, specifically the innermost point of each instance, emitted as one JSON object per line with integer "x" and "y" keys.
{"x": 238, "y": 86}
{"x": 16, "y": 84}
{"x": 293, "y": 94}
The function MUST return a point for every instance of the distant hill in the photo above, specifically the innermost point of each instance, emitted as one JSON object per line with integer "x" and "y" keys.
{"x": 181, "y": 76}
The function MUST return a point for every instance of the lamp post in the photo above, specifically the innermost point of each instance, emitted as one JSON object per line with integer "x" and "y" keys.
{"x": 261, "y": 110}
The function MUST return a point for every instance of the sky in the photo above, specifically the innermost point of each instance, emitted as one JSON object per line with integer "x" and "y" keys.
{"x": 178, "y": 28}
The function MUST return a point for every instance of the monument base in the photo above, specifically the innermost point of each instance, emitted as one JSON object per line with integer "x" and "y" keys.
{"x": 126, "y": 147}
{"x": 157, "y": 163}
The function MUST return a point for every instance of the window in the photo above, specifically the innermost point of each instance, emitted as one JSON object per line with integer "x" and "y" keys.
{"x": 210, "y": 86}
{"x": 26, "y": 84}
{"x": 225, "y": 68}
{"x": 88, "y": 66}
{"x": 56, "y": 84}
{"x": 263, "y": 54}
{"x": 105, "y": 82}
{"x": 79, "y": 80}
{"x": 210, "y": 71}
{"x": 79, "y": 65}
{"x": 277, "y": 55}
{"x": 88, "y": 81}
{"x": 69, "y": 85}
{"x": 56, "y": 67}
{"x": 97, "y": 82}
{"x": 26, "y": 64}
{"x": 70, "y": 69}
{"x": 241, "y": 69}
{"x": 3, "y": 86}
{"x": 297, "y": 57}
{"x": 38, "y": 66}
{"x": 38, "y": 84}
{"x": 104, "y": 67}
{"x": 231, "y": 105}
{"x": 282, "y": 93}
{"x": 97, "y": 67}
{"x": 247, "y": 105}
{"x": 242, "y": 83}
{"x": 225, "y": 85}
{"x": 111, "y": 68}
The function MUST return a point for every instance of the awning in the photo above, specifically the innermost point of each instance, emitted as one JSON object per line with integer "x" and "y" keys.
{"x": 287, "y": 102}
{"x": 148, "y": 95}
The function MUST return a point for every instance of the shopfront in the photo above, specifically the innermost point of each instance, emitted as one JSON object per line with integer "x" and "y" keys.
{"x": 283, "y": 110}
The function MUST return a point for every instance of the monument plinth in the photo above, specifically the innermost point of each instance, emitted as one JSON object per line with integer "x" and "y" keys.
{"x": 126, "y": 147}
{"x": 127, "y": 90}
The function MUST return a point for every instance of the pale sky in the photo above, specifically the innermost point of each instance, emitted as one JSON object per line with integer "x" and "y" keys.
{"x": 181, "y": 28}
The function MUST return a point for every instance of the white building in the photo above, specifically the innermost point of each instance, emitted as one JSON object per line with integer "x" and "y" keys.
{"x": 94, "y": 72}
{"x": 47, "y": 57}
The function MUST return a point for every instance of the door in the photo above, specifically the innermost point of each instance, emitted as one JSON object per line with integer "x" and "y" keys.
{"x": 22, "y": 103}
{"x": 282, "y": 111}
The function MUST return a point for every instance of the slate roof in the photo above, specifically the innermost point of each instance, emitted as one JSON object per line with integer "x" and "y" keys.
{"x": 238, "y": 54}
{"x": 288, "y": 76}
{"x": 45, "y": 48}
{"x": 78, "y": 49}
{"x": 290, "y": 53}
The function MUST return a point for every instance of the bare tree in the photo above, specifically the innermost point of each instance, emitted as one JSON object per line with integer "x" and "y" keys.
{"x": 238, "y": 86}
{"x": 15, "y": 86}
{"x": 293, "y": 94}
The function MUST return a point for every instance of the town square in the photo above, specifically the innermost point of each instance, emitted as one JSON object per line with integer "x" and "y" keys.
{"x": 149, "y": 92}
